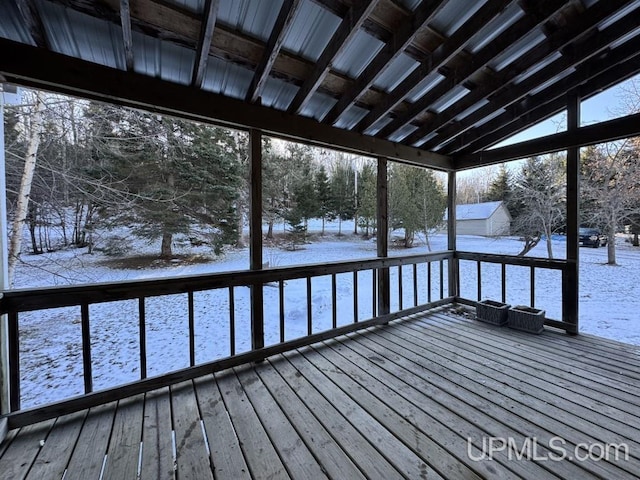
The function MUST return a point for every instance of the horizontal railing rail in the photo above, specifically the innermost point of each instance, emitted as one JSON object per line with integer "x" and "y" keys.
{"x": 430, "y": 293}
{"x": 533, "y": 263}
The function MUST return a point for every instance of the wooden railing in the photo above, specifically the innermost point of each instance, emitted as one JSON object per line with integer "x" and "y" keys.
{"x": 532, "y": 264}
{"x": 423, "y": 276}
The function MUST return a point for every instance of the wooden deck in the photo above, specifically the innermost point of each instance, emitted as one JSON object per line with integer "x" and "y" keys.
{"x": 398, "y": 401}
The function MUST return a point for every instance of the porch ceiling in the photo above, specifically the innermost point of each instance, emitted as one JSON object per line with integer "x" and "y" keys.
{"x": 425, "y": 80}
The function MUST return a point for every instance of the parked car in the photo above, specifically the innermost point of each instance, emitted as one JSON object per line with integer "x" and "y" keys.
{"x": 591, "y": 237}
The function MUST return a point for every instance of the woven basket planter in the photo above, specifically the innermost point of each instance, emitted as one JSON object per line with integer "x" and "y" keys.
{"x": 490, "y": 311}
{"x": 525, "y": 318}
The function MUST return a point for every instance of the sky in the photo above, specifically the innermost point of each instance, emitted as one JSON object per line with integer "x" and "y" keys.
{"x": 604, "y": 106}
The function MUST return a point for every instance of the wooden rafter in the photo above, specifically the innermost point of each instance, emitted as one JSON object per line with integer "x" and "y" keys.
{"x": 127, "y": 38}
{"x": 593, "y": 75}
{"x": 204, "y": 43}
{"x": 347, "y": 29}
{"x": 272, "y": 49}
{"x": 479, "y": 61}
{"x": 392, "y": 50}
{"x": 602, "y": 132}
{"x": 31, "y": 17}
{"x": 40, "y": 68}
{"x": 445, "y": 52}
{"x": 503, "y": 91}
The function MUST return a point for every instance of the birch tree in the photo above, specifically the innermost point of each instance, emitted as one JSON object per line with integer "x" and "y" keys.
{"x": 24, "y": 192}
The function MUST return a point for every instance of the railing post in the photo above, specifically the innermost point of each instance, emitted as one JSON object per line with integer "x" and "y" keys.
{"x": 382, "y": 238}
{"x": 453, "y": 270}
{"x": 570, "y": 294}
{"x": 255, "y": 234}
{"x": 4, "y": 274}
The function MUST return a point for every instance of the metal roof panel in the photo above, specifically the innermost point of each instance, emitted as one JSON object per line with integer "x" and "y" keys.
{"x": 358, "y": 54}
{"x": 253, "y": 17}
{"x": 310, "y": 31}
{"x": 396, "y": 72}
{"x": 12, "y": 26}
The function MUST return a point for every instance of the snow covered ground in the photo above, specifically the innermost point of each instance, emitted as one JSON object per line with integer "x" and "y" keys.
{"x": 50, "y": 341}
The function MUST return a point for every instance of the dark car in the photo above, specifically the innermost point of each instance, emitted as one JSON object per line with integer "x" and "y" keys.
{"x": 591, "y": 237}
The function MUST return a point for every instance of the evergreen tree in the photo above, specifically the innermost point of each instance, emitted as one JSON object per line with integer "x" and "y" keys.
{"x": 500, "y": 187}
{"x": 416, "y": 201}
{"x": 367, "y": 197}
{"x": 323, "y": 194}
{"x": 342, "y": 193}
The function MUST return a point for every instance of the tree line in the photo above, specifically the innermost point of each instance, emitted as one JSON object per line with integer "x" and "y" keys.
{"x": 77, "y": 168}
{"x": 535, "y": 194}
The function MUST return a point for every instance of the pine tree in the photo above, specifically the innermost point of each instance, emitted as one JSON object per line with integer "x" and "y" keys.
{"x": 500, "y": 187}
{"x": 342, "y": 193}
{"x": 416, "y": 201}
{"x": 323, "y": 194}
{"x": 367, "y": 197}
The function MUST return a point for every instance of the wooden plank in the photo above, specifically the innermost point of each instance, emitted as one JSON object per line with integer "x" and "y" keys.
{"x": 597, "y": 373}
{"x": 261, "y": 456}
{"x": 123, "y": 453}
{"x": 552, "y": 396}
{"x": 334, "y": 459}
{"x": 86, "y": 348}
{"x": 192, "y": 456}
{"x": 127, "y": 37}
{"x": 293, "y": 452}
{"x": 348, "y": 424}
{"x": 400, "y": 440}
{"x": 55, "y": 453}
{"x": 224, "y": 445}
{"x": 157, "y": 461}
{"x": 204, "y": 42}
{"x": 520, "y": 420}
{"x": 382, "y": 240}
{"x": 89, "y": 453}
{"x": 4, "y": 429}
{"x": 22, "y": 451}
{"x": 6, "y": 441}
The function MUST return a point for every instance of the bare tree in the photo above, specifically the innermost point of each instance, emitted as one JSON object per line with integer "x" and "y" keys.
{"x": 538, "y": 201}
{"x": 22, "y": 204}
{"x": 610, "y": 187}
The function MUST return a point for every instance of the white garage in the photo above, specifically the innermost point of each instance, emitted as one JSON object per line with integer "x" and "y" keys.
{"x": 489, "y": 219}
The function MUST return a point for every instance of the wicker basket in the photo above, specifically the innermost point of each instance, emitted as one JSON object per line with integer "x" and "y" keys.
{"x": 527, "y": 319}
{"x": 490, "y": 311}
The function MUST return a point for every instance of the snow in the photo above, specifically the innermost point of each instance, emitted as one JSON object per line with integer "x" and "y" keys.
{"x": 475, "y": 211}
{"x": 51, "y": 356}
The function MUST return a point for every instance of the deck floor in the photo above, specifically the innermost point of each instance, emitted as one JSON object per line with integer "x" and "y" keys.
{"x": 420, "y": 398}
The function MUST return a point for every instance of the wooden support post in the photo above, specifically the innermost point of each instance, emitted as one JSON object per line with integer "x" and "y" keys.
{"x": 382, "y": 238}
{"x": 570, "y": 294}
{"x": 4, "y": 272}
{"x": 255, "y": 234}
{"x": 453, "y": 271}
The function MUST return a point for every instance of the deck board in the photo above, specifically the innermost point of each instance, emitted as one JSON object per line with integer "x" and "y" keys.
{"x": 396, "y": 401}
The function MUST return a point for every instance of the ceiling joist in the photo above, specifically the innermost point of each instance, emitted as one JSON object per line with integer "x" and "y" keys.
{"x": 127, "y": 38}
{"x": 204, "y": 43}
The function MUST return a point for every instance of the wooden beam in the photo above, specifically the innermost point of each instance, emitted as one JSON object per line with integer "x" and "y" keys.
{"x": 479, "y": 60}
{"x": 127, "y": 38}
{"x": 502, "y": 91}
{"x": 382, "y": 237}
{"x": 272, "y": 49}
{"x": 255, "y": 234}
{"x": 31, "y": 17}
{"x": 452, "y": 263}
{"x": 39, "y": 68}
{"x": 599, "y": 74}
{"x": 204, "y": 43}
{"x": 602, "y": 132}
{"x": 570, "y": 277}
{"x": 443, "y": 54}
{"x": 347, "y": 29}
{"x": 399, "y": 41}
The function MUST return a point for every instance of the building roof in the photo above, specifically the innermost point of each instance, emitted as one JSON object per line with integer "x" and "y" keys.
{"x": 476, "y": 211}
{"x": 427, "y": 80}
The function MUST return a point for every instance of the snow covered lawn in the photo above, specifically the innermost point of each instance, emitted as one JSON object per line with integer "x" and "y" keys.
{"x": 51, "y": 360}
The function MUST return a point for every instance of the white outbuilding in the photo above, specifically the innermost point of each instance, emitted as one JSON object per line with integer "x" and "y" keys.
{"x": 489, "y": 219}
